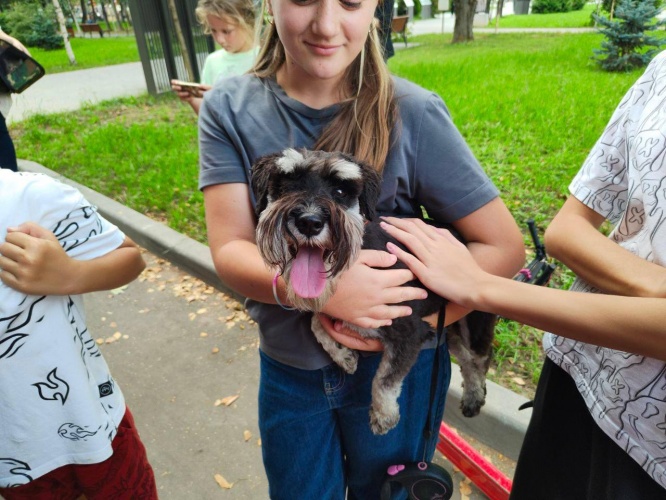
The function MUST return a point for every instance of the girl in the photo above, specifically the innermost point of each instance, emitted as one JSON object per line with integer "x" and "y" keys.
{"x": 320, "y": 82}
{"x": 231, "y": 23}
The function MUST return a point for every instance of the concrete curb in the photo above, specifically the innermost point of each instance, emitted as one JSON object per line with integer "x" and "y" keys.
{"x": 500, "y": 424}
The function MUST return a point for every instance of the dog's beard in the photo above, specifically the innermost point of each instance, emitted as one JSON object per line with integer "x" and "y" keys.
{"x": 310, "y": 266}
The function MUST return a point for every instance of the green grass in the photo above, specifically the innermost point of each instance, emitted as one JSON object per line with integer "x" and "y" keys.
{"x": 575, "y": 19}
{"x": 89, "y": 53}
{"x": 530, "y": 106}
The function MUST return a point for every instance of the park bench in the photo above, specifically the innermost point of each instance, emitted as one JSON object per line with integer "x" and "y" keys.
{"x": 87, "y": 28}
{"x": 399, "y": 27}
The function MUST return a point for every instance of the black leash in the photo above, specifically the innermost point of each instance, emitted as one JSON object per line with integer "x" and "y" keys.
{"x": 439, "y": 331}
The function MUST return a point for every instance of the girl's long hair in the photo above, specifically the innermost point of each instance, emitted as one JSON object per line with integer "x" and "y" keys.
{"x": 363, "y": 125}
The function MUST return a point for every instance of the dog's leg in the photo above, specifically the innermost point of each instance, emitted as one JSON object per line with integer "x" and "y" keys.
{"x": 470, "y": 341}
{"x": 345, "y": 358}
{"x": 396, "y": 362}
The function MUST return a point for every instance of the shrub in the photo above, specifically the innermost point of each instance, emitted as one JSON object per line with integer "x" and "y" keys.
{"x": 33, "y": 25}
{"x": 550, "y": 6}
{"x": 627, "y": 36}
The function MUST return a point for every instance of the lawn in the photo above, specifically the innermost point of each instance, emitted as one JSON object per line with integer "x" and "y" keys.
{"x": 576, "y": 19}
{"x": 89, "y": 53}
{"x": 530, "y": 106}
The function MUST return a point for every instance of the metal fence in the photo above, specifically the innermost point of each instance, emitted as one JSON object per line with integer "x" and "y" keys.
{"x": 161, "y": 53}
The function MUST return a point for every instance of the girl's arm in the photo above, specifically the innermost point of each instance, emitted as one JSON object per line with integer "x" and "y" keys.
{"x": 604, "y": 320}
{"x": 231, "y": 236}
{"x": 32, "y": 261}
{"x": 574, "y": 239}
{"x": 496, "y": 244}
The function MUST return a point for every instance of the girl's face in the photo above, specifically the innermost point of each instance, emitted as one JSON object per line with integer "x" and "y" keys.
{"x": 229, "y": 35}
{"x": 321, "y": 38}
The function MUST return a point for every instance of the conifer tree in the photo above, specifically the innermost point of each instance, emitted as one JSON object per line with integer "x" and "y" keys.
{"x": 628, "y": 44}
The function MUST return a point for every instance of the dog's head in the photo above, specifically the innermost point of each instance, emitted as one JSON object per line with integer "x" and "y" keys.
{"x": 311, "y": 208}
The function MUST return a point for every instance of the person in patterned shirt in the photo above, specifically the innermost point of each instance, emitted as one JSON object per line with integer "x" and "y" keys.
{"x": 598, "y": 426}
{"x": 65, "y": 430}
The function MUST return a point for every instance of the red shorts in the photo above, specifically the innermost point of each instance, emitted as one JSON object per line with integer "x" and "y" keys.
{"x": 124, "y": 475}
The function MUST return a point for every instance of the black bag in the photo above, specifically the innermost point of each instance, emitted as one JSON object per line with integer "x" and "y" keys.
{"x": 17, "y": 69}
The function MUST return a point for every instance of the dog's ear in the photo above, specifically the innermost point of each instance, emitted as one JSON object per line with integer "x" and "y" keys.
{"x": 262, "y": 170}
{"x": 372, "y": 183}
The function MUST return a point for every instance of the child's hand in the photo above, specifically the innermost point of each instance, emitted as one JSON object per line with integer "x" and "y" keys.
{"x": 438, "y": 259}
{"x": 33, "y": 262}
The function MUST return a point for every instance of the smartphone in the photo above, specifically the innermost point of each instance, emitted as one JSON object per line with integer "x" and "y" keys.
{"x": 194, "y": 89}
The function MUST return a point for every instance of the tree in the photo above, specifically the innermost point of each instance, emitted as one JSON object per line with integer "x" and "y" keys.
{"x": 628, "y": 34}
{"x": 63, "y": 31}
{"x": 464, "y": 23}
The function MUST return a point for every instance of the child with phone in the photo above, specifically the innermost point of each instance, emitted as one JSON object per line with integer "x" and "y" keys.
{"x": 231, "y": 23}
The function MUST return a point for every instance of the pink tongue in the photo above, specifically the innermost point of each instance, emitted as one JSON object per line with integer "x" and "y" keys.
{"x": 308, "y": 275}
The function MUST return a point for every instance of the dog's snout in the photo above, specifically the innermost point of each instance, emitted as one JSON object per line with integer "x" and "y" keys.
{"x": 309, "y": 224}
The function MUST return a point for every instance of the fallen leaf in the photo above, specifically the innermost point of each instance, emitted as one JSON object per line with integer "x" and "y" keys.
{"x": 518, "y": 380}
{"x": 202, "y": 310}
{"x": 247, "y": 435}
{"x": 215, "y": 350}
{"x": 99, "y": 341}
{"x": 464, "y": 488}
{"x": 117, "y": 335}
{"x": 203, "y": 334}
{"x": 230, "y": 399}
{"x": 223, "y": 483}
{"x": 119, "y": 290}
{"x": 226, "y": 401}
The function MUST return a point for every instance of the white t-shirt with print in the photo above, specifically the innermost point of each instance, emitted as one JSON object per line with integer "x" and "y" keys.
{"x": 624, "y": 179}
{"x": 58, "y": 402}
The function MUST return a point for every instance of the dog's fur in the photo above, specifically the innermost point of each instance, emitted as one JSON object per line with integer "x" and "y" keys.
{"x": 323, "y": 205}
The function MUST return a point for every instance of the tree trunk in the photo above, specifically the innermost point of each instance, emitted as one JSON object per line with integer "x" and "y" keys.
{"x": 63, "y": 32}
{"x": 106, "y": 17}
{"x": 181, "y": 41}
{"x": 464, "y": 12}
{"x": 84, "y": 12}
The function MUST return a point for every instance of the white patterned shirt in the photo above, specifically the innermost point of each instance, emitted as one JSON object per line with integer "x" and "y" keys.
{"x": 624, "y": 179}
{"x": 58, "y": 402}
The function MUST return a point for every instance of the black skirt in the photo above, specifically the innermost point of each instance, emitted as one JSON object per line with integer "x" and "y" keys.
{"x": 566, "y": 456}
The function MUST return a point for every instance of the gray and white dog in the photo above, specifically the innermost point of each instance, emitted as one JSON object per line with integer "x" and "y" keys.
{"x": 316, "y": 210}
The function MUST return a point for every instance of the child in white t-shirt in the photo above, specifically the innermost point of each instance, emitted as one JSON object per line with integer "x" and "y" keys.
{"x": 64, "y": 428}
{"x": 231, "y": 23}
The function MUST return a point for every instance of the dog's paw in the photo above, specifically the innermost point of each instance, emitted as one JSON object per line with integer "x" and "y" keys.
{"x": 347, "y": 359}
{"x": 471, "y": 403}
{"x": 381, "y": 422}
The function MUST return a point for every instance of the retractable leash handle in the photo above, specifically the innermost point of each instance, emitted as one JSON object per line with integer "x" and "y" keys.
{"x": 422, "y": 481}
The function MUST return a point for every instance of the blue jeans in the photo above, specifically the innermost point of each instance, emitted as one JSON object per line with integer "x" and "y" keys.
{"x": 7, "y": 153}
{"x": 315, "y": 430}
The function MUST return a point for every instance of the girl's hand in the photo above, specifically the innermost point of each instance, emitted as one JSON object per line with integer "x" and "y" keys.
{"x": 33, "y": 262}
{"x": 348, "y": 337}
{"x": 439, "y": 260}
{"x": 369, "y": 296}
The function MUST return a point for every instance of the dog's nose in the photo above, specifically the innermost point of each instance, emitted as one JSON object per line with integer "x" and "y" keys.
{"x": 309, "y": 224}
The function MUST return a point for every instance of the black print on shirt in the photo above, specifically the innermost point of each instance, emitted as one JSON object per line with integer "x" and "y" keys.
{"x": 74, "y": 432}
{"x": 67, "y": 227}
{"x": 13, "y": 467}
{"x": 12, "y": 339}
{"x": 56, "y": 389}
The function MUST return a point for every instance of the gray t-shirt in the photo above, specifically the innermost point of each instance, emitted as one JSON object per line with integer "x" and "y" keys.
{"x": 430, "y": 165}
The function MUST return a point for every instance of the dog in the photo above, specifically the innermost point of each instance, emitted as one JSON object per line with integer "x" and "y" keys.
{"x": 315, "y": 212}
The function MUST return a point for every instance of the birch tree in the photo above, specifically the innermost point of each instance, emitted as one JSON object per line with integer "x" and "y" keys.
{"x": 63, "y": 32}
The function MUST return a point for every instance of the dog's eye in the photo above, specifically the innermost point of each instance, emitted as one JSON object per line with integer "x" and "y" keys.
{"x": 339, "y": 193}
